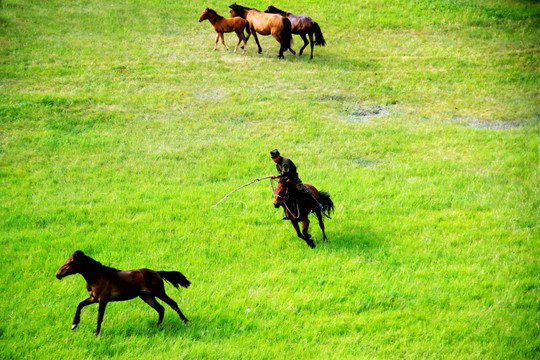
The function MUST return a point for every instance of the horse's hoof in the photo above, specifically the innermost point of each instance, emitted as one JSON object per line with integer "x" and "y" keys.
{"x": 311, "y": 244}
{"x": 74, "y": 326}
{"x": 187, "y": 322}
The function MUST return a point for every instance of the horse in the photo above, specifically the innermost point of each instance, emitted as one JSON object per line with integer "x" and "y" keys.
{"x": 298, "y": 209}
{"x": 222, "y": 25}
{"x": 105, "y": 284}
{"x": 301, "y": 25}
{"x": 265, "y": 24}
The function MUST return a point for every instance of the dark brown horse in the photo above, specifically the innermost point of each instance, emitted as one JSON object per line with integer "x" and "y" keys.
{"x": 265, "y": 24}
{"x": 222, "y": 25}
{"x": 298, "y": 209}
{"x": 301, "y": 25}
{"x": 105, "y": 284}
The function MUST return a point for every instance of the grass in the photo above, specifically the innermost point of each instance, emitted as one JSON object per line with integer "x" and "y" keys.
{"x": 120, "y": 128}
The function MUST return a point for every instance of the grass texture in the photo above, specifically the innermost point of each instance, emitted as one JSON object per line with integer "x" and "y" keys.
{"x": 120, "y": 128}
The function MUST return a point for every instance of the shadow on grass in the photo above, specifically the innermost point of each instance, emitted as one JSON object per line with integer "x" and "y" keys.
{"x": 220, "y": 325}
{"x": 361, "y": 241}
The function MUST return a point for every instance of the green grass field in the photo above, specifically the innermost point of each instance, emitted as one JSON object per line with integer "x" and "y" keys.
{"x": 120, "y": 128}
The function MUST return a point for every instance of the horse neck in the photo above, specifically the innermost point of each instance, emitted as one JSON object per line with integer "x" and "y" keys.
{"x": 213, "y": 18}
{"x": 93, "y": 270}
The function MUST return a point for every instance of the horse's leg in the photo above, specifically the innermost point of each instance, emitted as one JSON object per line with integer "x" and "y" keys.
{"x": 173, "y": 305}
{"x": 223, "y": 41}
{"x": 311, "y": 43}
{"x": 282, "y": 49}
{"x": 240, "y": 36}
{"x": 297, "y": 228}
{"x": 306, "y": 43}
{"x": 321, "y": 224}
{"x": 244, "y": 47}
{"x": 101, "y": 313}
{"x": 291, "y": 50}
{"x": 256, "y": 38}
{"x": 150, "y": 300}
{"x": 305, "y": 226}
{"x": 310, "y": 242}
{"x": 77, "y": 318}
{"x": 217, "y": 40}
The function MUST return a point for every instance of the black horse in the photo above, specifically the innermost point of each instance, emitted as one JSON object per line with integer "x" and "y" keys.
{"x": 106, "y": 284}
{"x": 298, "y": 209}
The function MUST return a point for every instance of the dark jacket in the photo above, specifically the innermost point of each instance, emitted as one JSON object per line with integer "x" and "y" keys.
{"x": 287, "y": 170}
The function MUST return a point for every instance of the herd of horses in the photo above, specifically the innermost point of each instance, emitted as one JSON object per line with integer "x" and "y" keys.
{"x": 273, "y": 21}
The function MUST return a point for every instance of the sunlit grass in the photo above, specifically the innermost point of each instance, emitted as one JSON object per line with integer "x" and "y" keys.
{"x": 120, "y": 128}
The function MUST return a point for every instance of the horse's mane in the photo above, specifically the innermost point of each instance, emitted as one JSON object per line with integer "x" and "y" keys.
{"x": 274, "y": 10}
{"x": 239, "y": 8}
{"x": 93, "y": 263}
{"x": 212, "y": 11}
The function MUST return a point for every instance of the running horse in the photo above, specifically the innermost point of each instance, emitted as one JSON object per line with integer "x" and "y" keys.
{"x": 222, "y": 25}
{"x": 301, "y": 25}
{"x": 298, "y": 209}
{"x": 106, "y": 284}
{"x": 265, "y": 24}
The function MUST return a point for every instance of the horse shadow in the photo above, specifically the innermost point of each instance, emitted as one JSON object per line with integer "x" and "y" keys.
{"x": 359, "y": 240}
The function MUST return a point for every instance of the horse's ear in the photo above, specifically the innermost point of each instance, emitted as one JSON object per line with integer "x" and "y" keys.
{"x": 78, "y": 253}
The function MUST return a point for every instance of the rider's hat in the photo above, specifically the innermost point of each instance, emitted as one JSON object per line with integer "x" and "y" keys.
{"x": 274, "y": 153}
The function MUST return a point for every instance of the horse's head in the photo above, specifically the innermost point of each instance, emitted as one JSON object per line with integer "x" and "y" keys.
{"x": 280, "y": 191}
{"x": 204, "y": 15}
{"x": 71, "y": 266}
{"x": 274, "y": 10}
{"x": 271, "y": 9}
{"x": 238, "y": 10}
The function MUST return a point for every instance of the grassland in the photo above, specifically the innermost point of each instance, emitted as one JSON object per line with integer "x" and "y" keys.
{"x": 120, "y": 128}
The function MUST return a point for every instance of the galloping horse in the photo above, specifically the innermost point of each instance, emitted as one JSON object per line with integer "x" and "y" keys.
{"x": 297, "y": 209}
{"x": 265, "y": 24}
{"x": 301, "y": 25}
{"x": 222, "y": 25}
{"x": 106, "y": 284}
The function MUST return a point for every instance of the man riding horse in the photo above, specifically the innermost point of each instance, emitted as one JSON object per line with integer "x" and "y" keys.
{"x": 289, "y": 177}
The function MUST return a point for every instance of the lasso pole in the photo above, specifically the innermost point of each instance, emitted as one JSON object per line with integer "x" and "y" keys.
{"x": 238, "y": 188}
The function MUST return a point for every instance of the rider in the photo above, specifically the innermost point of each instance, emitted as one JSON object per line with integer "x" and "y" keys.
{"x": 289, "y": 176}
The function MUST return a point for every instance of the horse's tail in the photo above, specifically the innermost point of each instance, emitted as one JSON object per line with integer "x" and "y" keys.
{"x": 327, "y": 203}
{"x": 319, "y": 38}
{"x": 286, "y": 34}
{"x": 175, "y": 278}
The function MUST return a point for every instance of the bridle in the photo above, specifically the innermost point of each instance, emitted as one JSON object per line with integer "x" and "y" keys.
{"x": 284, "y": 199}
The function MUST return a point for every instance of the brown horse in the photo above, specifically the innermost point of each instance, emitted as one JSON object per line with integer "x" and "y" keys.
{"x": 301, "y": 25}
{"x": 105, "y": 284}
{"x": 298, "y": 209}
{"x": 222, "y": 25}
{"x": 265, "y": 24}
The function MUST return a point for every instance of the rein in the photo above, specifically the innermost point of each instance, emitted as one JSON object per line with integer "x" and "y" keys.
{"x": 285, "y": 198}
